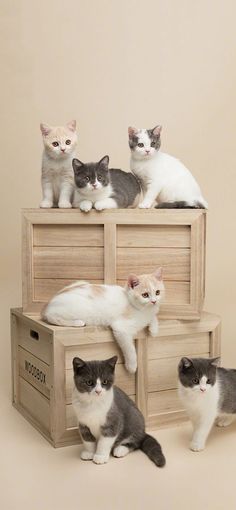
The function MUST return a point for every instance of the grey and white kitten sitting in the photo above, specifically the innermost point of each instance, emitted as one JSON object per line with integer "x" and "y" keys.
{"x": 101, "y": 188}
{"x": 109, "y": 421}
{"x": 208, "y": 393}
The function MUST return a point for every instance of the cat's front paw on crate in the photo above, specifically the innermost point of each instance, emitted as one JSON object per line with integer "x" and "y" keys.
{"x": 145, "y": 205}
{"x": 64, "y": 204}
{"x": 85, "y": 206}
{"x": 46, "y": 204}
{"x": 100, "y": 459}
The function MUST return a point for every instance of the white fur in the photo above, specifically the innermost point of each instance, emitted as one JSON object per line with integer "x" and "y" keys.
{"x": 57, "y": 173}
{"x": 202, "y": 405}
{"x": 99, "y": 197}
{"x": 163, "y": 177}
{"x": 120, "y": 308}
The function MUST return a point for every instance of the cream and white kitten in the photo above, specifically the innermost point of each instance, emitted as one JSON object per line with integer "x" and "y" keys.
{"x": 126, "y": 310}
{"x": 164, "y": 179}
{"x": 57, "y": 174}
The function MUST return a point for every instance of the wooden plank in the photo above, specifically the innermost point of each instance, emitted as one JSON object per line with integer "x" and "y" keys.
{"x": 14, "y": 357}
{"x": 197, "y": 278}
{"x": 163, "y": 373}
{"x": 123, "y": 379}
{"x": 27, "y": 262}
{"x": 35, "y": 371}
{"x": 110, "y": 254}
{"x": 89, "y": 352}
{"x": 178, "y": 345}
{"x": 68, "y": 262}
{"x": 163, "y": 420}
{"x": 35, "y": 340}
{"x": 68, "y": 235}
{"x": 175, "y": 262}
{"x": 141, "y": 375}
{"x": 155, "y": 236}
{"x": 35, "y": 403}
{"x": 159, "y": 402}
{"x": 58, "y": 396}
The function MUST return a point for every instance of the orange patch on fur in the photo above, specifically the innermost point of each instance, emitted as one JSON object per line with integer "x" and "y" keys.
{"x": 97, "y": 290}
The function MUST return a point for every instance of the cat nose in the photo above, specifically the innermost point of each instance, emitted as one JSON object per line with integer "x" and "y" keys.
{"x": 95, "y": 185}
{"x": 63, "y": 150}
{"x": 147, "y": 152}
{"x": 153, "y": 302}
{"x": 98, "y": 391}
{"x": 203, "y": 389}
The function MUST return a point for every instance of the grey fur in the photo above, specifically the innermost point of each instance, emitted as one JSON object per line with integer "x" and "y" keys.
{"x": 191, "y": 369}
{"x": 134, "y": 139}
{"x": 181, "y": 204}
{"x": 86, "y": 433}
{"x": 125, "y": 186}
{"x": 124, "y": 420}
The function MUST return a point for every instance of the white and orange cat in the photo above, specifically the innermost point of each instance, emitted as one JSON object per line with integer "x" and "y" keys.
{"x": 57, "y": 173}
{"x": 126, "y": 310}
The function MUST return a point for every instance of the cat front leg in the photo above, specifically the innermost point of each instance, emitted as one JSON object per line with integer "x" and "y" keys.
{"x": 89, "y": 443}
{"x": 85, "y": 205}
{"x": 65, "y": 196}
{"x": 47, "y": 190}
{"x": 153, "y": 327}
{"x": 107, "y": 203}
{"x": 103, "y": 450}
{"x": 149, "y": 198}
{"x": 126, "y": 343}
{"x": 201, "y": 430}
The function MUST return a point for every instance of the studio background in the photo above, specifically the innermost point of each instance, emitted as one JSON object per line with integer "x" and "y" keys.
{"x": 109, "y": 65}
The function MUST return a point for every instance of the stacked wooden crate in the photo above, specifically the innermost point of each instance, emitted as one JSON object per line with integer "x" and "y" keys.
{"x": 62, "y": 246}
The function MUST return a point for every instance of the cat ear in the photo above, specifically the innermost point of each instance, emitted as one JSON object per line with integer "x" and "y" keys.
{"x": 104, "y": 162}
{"x": 132, "y": 131}
{"x": 112, "y": 361}
{"x": 185, "y": 363}
{"x": 156, "y": 131}
{"x": 77, "y": 364}
{"x": 158, "y": 274}
{"x": 71, "y": 125}
{"x": 133, "y": 281}
{"x": 45, "y": 129}
{"x": 77, "y": 165}
{"x": 214, "y": 361}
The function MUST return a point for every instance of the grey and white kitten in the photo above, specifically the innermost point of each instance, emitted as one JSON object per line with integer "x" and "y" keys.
{"x": 101, "y": 188}
{"x": 109, "y": 421}
{"x": 208, "y": 393}
{"x": 164, "y": 179}
{"x": 57, "y": 175}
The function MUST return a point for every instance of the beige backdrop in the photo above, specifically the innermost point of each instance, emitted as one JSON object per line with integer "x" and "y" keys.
{"x": 109, "y": 64}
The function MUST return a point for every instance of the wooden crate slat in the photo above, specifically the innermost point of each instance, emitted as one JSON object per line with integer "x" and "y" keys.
{"x": 68, "y": 235}
{"x": 155, "y": 236}
{"x": 71, "y": 262}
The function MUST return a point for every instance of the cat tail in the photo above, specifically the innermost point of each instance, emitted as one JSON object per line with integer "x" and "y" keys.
{"x": 153, "y": 450}
{"x": 182, "y": 204}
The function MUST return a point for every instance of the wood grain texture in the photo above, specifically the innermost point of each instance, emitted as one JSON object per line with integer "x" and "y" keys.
{"x": 68, "y": 262}
{"x": 155, "y": 236}
{"x": 68, "y": 235}
{"x": 35, "y": 371}
{"x": 35, "y": 403}
{"x": 193, "y": 344}
{"x": 110, "y": 254}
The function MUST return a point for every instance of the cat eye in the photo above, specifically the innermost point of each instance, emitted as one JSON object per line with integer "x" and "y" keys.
{"x": 140, "y": 144}
{"x": 145, "y": 294}
{"x": 99, "y": 177}
{"x": 87, "y": 178}
{"x": 157, "y": 292}
{"x": 55, "y": 144}
{"x": 153, "y": 144}
{"x": 89, "y": 382}
{"x": 105, "y": 381}
{"x": 195, "y": 381}
{"x": 208, "y": 381}
{"x": 68, "y": 142}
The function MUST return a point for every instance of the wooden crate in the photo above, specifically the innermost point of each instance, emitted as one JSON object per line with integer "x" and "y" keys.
{"x": 104, "y": 247}
{"x": 43, "y": 377}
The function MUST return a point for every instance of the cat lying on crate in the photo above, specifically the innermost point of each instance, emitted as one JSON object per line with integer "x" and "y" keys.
{"x": 208, "y": 393}
{"x": 109, "y": 421}
{"x": 126, "y": 310}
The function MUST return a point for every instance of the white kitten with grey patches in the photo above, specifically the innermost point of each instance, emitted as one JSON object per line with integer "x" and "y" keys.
{"x": 164, "y": 179}
{"x": 126, "y": 310}
{"x": 57, "y": 174}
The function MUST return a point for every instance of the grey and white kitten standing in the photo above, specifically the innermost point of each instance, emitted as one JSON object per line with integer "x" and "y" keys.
{"x": 103, "y": 188}
{"x": 57, "y": 175}
{"x": 164, "y": 179}
{"x": 109, "y": 421}
{"x": 208, "y": 393}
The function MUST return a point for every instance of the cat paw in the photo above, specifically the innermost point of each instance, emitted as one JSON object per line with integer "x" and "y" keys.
{"x": 145, "y": 205}
{"x": 46, "y": 204}
{"x": 85, "y": 206}
{"x": 100, "y": 459}
{"x": 196, "y": 446}
{"x": 100, "y": 205}
{"x": 224, "y": 421}
{"x": 120, "y": 451}
{"x": 131, "y": 366}
{"x": 153, "y": 331}
{"x": 85, "y": 455}
{"x": 64, "y": 204}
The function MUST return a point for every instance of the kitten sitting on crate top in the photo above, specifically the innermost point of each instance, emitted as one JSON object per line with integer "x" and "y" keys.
{"x": 208, "y": 393}
{"x": 164, "y": 179}
{"x": 103, "y": 188}
{"x": 57, "y": 175}
{"x": 109, "y": 421}
{"x": 126, "y": 310}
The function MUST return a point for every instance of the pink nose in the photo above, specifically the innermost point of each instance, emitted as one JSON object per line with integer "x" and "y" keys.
{"x": 153, "y": 302}
{"x": 98, "y": 392}
{"x": 63, "y": 150}
{"x": 95, "y": 186}
{"x": 203, "y": 389}
{"x": 147, "y": 152}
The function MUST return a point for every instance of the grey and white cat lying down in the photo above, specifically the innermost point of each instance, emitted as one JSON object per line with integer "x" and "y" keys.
{"x": 164, "y": 179}
{"x": 208, "y": 393}
{"x": 126, "y": 310}
{"x": 103, "y": 188}
{"x": 109, "y": 421}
